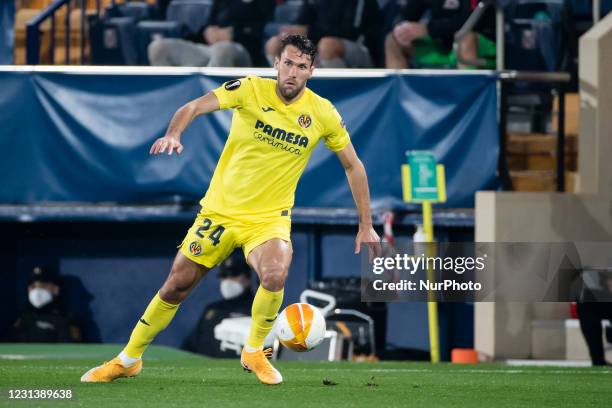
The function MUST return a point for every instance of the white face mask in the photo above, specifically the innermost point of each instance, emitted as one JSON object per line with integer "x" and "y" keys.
{"x": 40, "y": 297}
{"x": 231, "y": 289}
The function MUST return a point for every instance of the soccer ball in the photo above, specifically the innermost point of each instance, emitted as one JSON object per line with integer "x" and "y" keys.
{"x": 300, "y": 327}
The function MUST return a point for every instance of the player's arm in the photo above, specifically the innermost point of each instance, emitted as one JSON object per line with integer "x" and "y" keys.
{"x": 358, "y": 182}
{"x": 179, "y": 122}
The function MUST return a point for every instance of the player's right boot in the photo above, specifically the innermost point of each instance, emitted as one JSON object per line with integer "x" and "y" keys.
{"x": 111, "y": 370}
{"x": 258, "y": 363}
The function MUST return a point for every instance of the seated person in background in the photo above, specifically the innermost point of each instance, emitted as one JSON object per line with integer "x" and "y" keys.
{"x": 231, "y": 39}
{"x": 162, "y": 7}
{"x": 346, "y": 32}
{"x": 297, "y": 27}
{"x": 431, "y": 43}
{"x": 590, "y": 315}
{"x": 235, "y": 285}
{"x": 44, "y": 321}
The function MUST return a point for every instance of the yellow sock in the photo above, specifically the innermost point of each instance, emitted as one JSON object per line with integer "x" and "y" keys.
{"x": 263, "y": 312}
{"x": 156, "y": 318}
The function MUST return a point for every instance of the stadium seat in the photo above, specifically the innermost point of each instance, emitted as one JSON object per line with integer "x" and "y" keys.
{"x": 184, "y": 18}
{"x": 151, "y": 30}
{"x": 114, "y": 37}
{"x": 113, "y": 41}
{"x": 288, "y": 12}
{"x": 584, "y": 8}
{"x": 193, "y": 14}
{"x": 582, "y": 13}
{"x": 534, "y": 36}
{"x": 137, "y": 10}
{"x": 536, "y": 39}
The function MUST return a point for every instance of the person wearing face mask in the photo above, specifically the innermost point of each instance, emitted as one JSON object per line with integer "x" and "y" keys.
{"x": 235, "y": 287}
{"x": 43, "y": 320}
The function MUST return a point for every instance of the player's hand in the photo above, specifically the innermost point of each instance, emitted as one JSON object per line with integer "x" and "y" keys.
{"x": 166, "y": 144}
{"x": 368, "y": 236}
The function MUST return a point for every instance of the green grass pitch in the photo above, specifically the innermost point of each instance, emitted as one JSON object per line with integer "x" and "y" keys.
{"x": 172, "y": 378}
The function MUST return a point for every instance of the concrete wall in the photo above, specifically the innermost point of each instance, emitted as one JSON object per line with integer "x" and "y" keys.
{"x": 503, "y": 330}
{"x": 595, "y": 145}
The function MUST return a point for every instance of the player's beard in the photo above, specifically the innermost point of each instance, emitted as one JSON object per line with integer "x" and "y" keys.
{"x": 289, "y": 94}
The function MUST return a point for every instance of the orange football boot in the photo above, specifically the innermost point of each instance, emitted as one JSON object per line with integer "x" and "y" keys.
{"x": 111, "y": 370}
{"x": 258, "y": 363}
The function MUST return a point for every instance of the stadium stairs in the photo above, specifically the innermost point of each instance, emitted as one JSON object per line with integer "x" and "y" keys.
{"x": 28, "y": 9}
{"x": 532, "y": 155}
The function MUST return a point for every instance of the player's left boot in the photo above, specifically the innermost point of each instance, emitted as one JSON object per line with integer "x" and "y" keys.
{"x": 111, "y": 370}
{"x": 258, "y": 363}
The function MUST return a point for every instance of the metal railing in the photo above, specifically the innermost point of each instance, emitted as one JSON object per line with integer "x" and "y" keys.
{"x": 33, "y": 31}
{"x": 557, "y": 81}
{"x": 469, "y": 25}
{"x": 596, "y": 11}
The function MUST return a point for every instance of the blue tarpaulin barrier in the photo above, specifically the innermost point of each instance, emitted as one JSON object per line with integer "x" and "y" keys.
{"x": 85, "y": 136}
{"x": 7, "y": 32}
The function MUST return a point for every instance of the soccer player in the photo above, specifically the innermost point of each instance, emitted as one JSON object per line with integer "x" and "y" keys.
{"x": 276, "y": 125}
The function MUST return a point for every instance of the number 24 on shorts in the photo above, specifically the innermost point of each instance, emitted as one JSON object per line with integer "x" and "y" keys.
{"x": 215, "y": 235}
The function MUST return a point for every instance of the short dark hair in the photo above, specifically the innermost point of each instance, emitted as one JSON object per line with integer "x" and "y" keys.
{"x": 46, "y": 274}
{"x": 301, "y": 43}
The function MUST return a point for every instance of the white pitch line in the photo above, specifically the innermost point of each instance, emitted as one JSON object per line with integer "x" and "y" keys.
{"x": 548, "y": 363}
{"x": 21, "y": 357}
{"x": 431, "y": 371}
{"x": 352, "y": 369}
{"x": 474, "y": 371}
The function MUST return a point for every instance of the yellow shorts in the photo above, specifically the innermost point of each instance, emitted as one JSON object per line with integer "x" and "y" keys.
{"x": 213, "y": 237}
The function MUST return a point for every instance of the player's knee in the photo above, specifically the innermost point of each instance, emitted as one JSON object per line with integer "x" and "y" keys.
{"x": 274, "y": 282}
{"x": 177, "y": 286}
{"x": 273, "y": 275}
{"x": 330, "y": 47}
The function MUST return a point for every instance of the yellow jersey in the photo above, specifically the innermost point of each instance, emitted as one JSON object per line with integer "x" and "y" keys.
{"x": 268, "y": 147}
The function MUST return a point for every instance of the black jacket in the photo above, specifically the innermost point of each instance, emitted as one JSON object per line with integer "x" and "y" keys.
{"x": 48, "y": 324}
{"x": 348, "y": 19}
{"x": 202, "y": 338}
{"x": 247, "y": 19}
{"x": 446, "y": 18}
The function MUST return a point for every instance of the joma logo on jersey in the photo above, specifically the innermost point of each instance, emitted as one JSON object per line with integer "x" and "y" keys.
{"x": 282, "y": 134}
